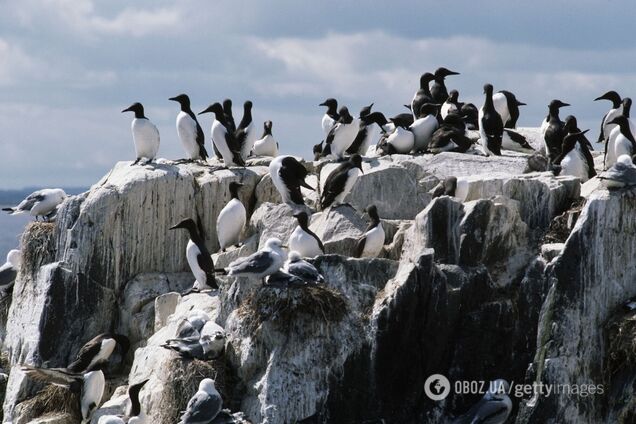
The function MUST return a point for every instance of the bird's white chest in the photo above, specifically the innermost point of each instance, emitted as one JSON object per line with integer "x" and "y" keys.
{"x": 327, "y": 123}
{"x": 344, "y": 136}
{"x": 92, "y": 392}
{"x": 447, "y": 108}
{"x": 423, "y": 130}
{"x": 574, "y": 163}
{"x": 187, "y": 131}
{"x": 304, "y": 243}
{"x": 230, "y": 223}
{"x": 623, "y": 146}
{"x": 266, "y": 146}
{"x": 402, "y": 140}
{"x": 501, "y": 106}
{"x": 374, "y": 240}
{"x": 146, "y": 138}
{"x": 192, "y": 255}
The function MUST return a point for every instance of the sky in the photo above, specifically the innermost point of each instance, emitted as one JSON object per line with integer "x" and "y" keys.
{"x": 68, "y": 67}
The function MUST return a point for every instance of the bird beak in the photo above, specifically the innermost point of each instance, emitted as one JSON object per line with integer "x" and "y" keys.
{"x": 127, "y": 110}
{"x": 174, "y": 227}
{"x": 174, "y": 99}
{"x": 284, "y": 246}
{"x": 360, "y": 168}
{"x": 208, "y": 110}
{"x": 521, "y": 103}
{"x": 322, "y": 104}
{"x": 565, "y": 104}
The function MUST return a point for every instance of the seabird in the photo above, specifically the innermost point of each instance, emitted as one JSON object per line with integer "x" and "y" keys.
{"x": 507, "y": 106}
{"x": 450, "y": 136}
{"x": 288, "y": 175}
{"x": 446, "y": 187}
{"x": 370, "y": 244}
{"x": 145, "y": 134}
{"x": 493, "y": 408}
{"x": 575, "y": 158}
{"x": 401, "y": 140}
{"x": 621, "y": 174}
{"x": 365, "y": 134}
{"x": 451, "y": 104}
{"x": 97, "y": 352}
{"x": 615, "y": 111}
{"x": 302, "y": 269}
{"x": 266, "y": 145}
{"x": 89, "y": 385}
{"x": 246, "y": 134}
{"x": 331, "y": 116}
{"x": 204, "y": 406}
{"x": 189, "y": 130}
{"x": 553, "y": 130}
{"x": 265, "y": 262}
{"x": 204, "y": 345}
{"x": 224, "y": 140}
{"x": 39, "y": 203}
{"x": 423, "y": 95}
{"x": 192, "y": 326}
{"x": 304, "y": 241}
{"x": 231, "y": 219}
{"x": 341, "y": 135}
{"x": 438, "y": 89}
{"x": 470, "y": 115}
{"x": 317, "y": 150}
{"x": 133, "y": 415}
{"x": 610, "y": 142}
{"x": 624, "y": 143}
{"x": 512, "y": 140}
{"x": 424, "y": 127}
{"x": 340, "y": 181}
{"x": 9, "y": 271}
{"x": 227, "y": 113}
{"x": 198, "y": 257}
{"x": 490, "y": 125}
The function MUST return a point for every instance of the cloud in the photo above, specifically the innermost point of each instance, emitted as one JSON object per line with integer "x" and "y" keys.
{"x": 14, "y": 63}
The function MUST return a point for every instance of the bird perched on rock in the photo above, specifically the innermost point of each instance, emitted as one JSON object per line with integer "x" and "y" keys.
{"x": 622, "y": 174}
{"x": 266, "y": 145}
{"x": 265, "y": 262}
{"x": 304, "y": 241}
{"x": 575, "y": 157}
{"x": 400, "y": 140}
{"x": 614, "y": 111}
{"x": 41, "y": 203}
{"x": 624, "y": 143}
{"x": 424, "y": 127}
{"x": 288, "y": 175}
{"x": 204, "y": 345}
{"x": 493, "y": 408}
{"x": 370, "y": 244}
{"x": 204, "y": 406}
{"x": 246, "y": 134}
{"x": 452, "y": 104}
{"x": 423, "y": 94}
{"x": 438, "y": 89}
{"x": 9, "y": 271}
{"x": 490, "y": 125}
{"x": 340, "y": 182}
{"x": 364, "y": 137}
{"x": 507, "y": 106}
{"x": 553, "y": 130}
{"x": 145, "y": 134}
{"x": 341, "y": 135}
{"x": 134, "y": 414}
{"x": 198, "y": 257}
{"x": 224, "y": 140}
{"x": 450, "y": 136}
{"x": 610, "y": 145}
{"x": 189, "y": 130}
{"x": 446, "y": 187}
{"x": 302, "y": 269}
{"x": 97, "y": 352}
{"x": 331, "y": 115}
{"x": 231, "y": 219}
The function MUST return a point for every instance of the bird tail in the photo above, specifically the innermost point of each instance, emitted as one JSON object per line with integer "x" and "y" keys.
{"x": 203, "y": 152}
{"x": 238, "y": 159}
{"x": 10, "y": 210}
{"x": 220, "y": 271}
{"x": 304, "y": 184}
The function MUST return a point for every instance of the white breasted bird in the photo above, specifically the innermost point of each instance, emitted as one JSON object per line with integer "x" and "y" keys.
{"x": 145, "y": 134}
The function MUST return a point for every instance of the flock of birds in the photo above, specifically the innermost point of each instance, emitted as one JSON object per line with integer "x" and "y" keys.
{"x": 436, "y": 122}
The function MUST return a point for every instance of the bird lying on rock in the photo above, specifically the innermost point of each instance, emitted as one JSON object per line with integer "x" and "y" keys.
{"x": 204, "y": 406}
{"x": 302, "y": 269}
{"x": 134, "y": 414}
{"x": 204, "y": 345}
{"x": 621, "y": 175}
{"x": 260, "y": 264}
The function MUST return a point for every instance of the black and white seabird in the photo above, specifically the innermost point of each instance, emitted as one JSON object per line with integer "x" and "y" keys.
{"x": 331, "y": 116}
{"x": 366, "y": 133}
{"x": 610, "y": 143}
{"x": 246, "y": 133}
{"x": 493, "y": 408}
{"x": 288, "y": 175}
{"x": 452, "y": 104}
{"x": 575, "y": 157}
{"x": 470, "y": 115}
{"x": 39, "y": 203}
{"x": 296, "y": 266}
{"x": 231, "y": 219}
{"x": 446, "y": 187}
{"x": 189, "y": 130}
{"x": 9, "y": 271}
{"x": 512, "y": 140}
{"x": 490, "y": 125}
{"x": 145, "y": 134}
{"x": 198, "y": 257}
{"x": 88, "y": 385}
{"x": 204, "y": 406}
{"x": 616, "y": 110}
{"x": 438, "y": 89}
{"x": 340, "y": 182}
{"x": 206, "y": 344}
{"x": 622, "y": 174}
{"x": 266, "y": 145}
{"x": 450, "y": 136}
{"x": 229, "y": 117}
{"x": 423, "y": 95}
{"x": 265, "y": 262}
{"x": 401, "y": 140}
{"x": 507, "y": 106}
{"x": 223, "y": 139}
{"x": 370, "y": 244}
{"x": 303, "y": 240}
{"x": 424, "y": 127}
{"x": 97, "y": 351}
{"x": 624, "y": 143}
{"x": 341, "y": 135}
{"x": 133, "y": 414}
{"x": 553, "y": 130}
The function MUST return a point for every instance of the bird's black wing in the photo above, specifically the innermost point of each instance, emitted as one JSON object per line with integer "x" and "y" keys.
{"x": 235, "y": 147}
{"x": 202, "y": 408}
{"x": 86, "y": 354}
{"x": 207, "y": 265}
{"x": 513, "y": 109}
{"x": 601, "y": 136}
{"x": 200, "y": 139}
{"x": 357, "y": 142}
{"x": 334, "y": 185}
{"x": 360, "y": 247}
{"x": 591, "y": 172}
{"x": 7, "y": 276}
{"x": 55, "y": 376}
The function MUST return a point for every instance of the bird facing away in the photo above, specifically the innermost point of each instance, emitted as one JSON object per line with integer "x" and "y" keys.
{"x": 40, "y": 203}
{"x": 204, "y": 406}
{"x": 304, "y": 241}
{"x": 9, "y": 271}
{"x": 288, "y": 175}
{"x": 145, "y": 134}
{"x": 260, "y": 264}
{"x": 231, "y": 219}
{"x": 198, "y": 257}
{"x": 370, "y": 244}
{"x": 340, "y": 182}
{"x": 189, "y": 131}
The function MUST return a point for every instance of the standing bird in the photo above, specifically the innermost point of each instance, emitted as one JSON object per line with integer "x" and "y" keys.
{"x": 231, "y": 220}
{"x": 133, "y": 415}
{"x": 9, "y": 271}
{"x": 97, "y": 351}
{"x": 266, "y": 145}
{"x": 493, "y": 408}
{"x": 423, "y": 95}
{"x": 198, "y": 257}
{"x": 229, "y": 117}
{"x": 451, "y": 104}
{"x": 507, "y": 107}
{"x": 246, "y": 134}
{"x": 145, "y": 134}
{"x": 447, "y": 187}
{"x": 370, "y": 244}
{"x": 424, "y": 127}
{"x": 39, "y": 203}
{"x": 616, "y": 110}
{"x": 204, "y": 406}
{"x": 575, "y": 158}
{"x": 470, "y": 115}
{"x": 204, "y": 344}
{"x": 365, "y": 134}
{"x": 401, "y": 140}
{"x": 610, "y": 143}
{"x": 438, "y": 89}
{"x": 624, "y": 143}
{"x": 265, "y": 262}
{"x": 223, "y": 139}
{"x": 288, "y": 175}
{"x": 302, "y": 269}
{"x": 340, "y": 182}
{"x": 490, "y": 125}
{"x": 331, "y": 116}
{"x": 341, "y": 135}
{"x": 553, "y": 130}
{"x": 303, "y": 240}
{"x": 189, "y": 130}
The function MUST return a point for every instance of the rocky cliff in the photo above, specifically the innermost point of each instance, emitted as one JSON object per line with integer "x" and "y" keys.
{"x": 466, "y": 286}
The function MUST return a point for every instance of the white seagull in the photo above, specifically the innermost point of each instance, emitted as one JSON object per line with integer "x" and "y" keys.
{"x": 204, "y": 406}
{"x": 265, "y": 262}
{"x": 39, "y": 203}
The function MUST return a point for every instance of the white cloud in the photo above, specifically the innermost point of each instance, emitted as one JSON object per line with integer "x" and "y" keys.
{"x": 14, "y": 63}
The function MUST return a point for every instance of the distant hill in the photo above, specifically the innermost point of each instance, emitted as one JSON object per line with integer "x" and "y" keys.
{"x": 12, "y": 197}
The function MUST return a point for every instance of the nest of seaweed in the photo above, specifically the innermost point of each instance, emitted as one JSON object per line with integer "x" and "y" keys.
{"x": 559, "y": 230}
{"x": 37, "y": 246}
{"x": 53, "y": 400}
